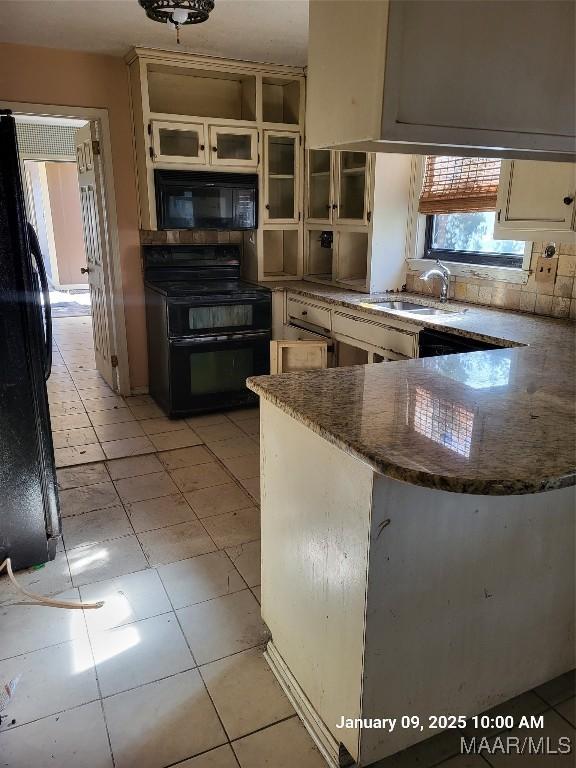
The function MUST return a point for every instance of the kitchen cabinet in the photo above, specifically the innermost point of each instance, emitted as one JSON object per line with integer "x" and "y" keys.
{"x": 352, "y": 201}
{"x": 481, "y": 79}
{"x": 536, "y": 201}
{"x": 201, "y": 112}
{"x": 319, "y": 186}
{"x": 233, "y": 147}
{"x": 184, "y": 143}
{"x": 359, "y": 337}
{"x": 391, "y": 342}
{"x": 365, "y": 201}
{"x": 281, "y": 177}
{"x": 286, "y": 356}
{"x": 304, "y": 312}
{"x": 180, "y": 143}
{"x": 338, "y": 187}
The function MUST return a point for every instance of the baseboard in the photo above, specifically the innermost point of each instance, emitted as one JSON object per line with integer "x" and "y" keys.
{"x": 326, "y": 743}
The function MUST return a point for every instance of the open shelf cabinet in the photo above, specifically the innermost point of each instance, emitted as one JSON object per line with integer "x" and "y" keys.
{"x": 281, "y": 253}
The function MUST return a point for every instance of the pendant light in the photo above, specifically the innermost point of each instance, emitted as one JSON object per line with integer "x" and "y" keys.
{"x": 179, "y": 13}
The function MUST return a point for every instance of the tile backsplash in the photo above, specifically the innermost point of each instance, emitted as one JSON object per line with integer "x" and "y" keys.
{"x": 557, "y": 299}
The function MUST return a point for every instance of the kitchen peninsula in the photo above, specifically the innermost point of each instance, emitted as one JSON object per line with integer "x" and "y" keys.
{"x": 418, "y": 530}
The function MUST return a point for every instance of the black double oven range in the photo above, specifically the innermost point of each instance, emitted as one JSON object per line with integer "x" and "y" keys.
{"x": 208, "y": 330}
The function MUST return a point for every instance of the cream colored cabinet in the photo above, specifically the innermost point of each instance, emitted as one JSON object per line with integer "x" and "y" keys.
{"x": 391, "y": 342}
{"x": 353, "y": 192}
{"x": 233, "y": 147}
{"x": 319, "y": 186}
{"x": 286, "y": 356}
{"x": 281, "y": 177}
{"x": 195, "y": 143}
{"x": 360, "y": 337}
{"x": 480, "y": 78}
{"x": 337, "y": 187}
{"x": 365, "y": 201}
{"x": 303, "y": 312}
{"x": 536, "y": 201}
{"x": 180, "y": 143}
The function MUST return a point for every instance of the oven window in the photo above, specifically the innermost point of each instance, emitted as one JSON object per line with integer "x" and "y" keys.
{"x": 224, "y": 370}
{"x": 201, "y": 208}
{"x": 227, "y": 316}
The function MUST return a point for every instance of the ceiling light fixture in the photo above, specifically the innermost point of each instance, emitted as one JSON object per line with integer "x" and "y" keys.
{"x": 178, "y": 12}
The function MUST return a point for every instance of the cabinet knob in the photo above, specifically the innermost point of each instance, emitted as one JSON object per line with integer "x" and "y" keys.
{"x": 202, "y": 147}
{"x": 84, "y": 270}
{"x": 303, "y": 313}
{"x": 334, "y": 206}
{"x": 214, "y": 149}
{"x": 267, "y": 206}
{"x": 569, "y": 199}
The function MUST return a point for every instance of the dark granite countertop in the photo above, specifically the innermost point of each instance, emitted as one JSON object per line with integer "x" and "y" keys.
{"x": 495, "y": 422}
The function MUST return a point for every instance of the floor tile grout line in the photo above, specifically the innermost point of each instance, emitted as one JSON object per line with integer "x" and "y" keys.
{"x": 265, "y": 727}
{"x": 46, "y": 717}
{"x": 196, "y": 662}
{"x": 99, "y": 688}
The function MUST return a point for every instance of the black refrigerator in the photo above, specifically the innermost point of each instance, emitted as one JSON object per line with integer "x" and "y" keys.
{"x": 29, "y": 516}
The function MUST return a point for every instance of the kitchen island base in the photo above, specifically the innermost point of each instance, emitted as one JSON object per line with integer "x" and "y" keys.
{"x": 387, "y": 599}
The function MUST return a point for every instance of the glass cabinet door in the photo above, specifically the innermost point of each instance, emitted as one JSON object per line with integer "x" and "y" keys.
{"x": 281, "y": 174}
{"x": 178, "y": 142}
{"x": 233, "y": 146}
{"x": 319, "y": 185}
{"x": 352, "y": 183}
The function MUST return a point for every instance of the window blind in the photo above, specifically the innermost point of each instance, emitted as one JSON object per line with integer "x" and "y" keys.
{"x": 459, "y": 184}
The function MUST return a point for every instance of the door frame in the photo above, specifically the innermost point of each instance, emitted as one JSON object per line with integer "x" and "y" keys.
{"x": 116, "y": 320}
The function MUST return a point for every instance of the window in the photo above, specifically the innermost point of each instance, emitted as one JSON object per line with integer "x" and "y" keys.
{"x": 467, "y": 237}
{"x": 459, "y": 200}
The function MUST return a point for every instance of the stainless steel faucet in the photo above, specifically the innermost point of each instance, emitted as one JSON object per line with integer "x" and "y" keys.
{"x": 441, "y": 271}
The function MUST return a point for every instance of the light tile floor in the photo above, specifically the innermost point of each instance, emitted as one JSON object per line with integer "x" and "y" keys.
{"x": 161, "y": 520}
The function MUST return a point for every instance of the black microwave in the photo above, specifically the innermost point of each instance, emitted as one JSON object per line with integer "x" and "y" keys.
{"x": 205, "y": 200}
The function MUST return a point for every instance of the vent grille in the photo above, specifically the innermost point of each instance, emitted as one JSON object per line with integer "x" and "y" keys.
{"x": 46, "y": 140}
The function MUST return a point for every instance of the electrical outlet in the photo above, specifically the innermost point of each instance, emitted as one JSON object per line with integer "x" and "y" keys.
{"x": 545, "y": 273}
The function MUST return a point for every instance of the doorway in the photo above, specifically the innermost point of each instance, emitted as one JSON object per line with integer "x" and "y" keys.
{"x": 53, "y": 207}
{"x": 71, "y": 232}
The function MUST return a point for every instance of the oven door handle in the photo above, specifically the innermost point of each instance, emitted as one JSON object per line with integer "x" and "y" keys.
{"x": 193, "y": 341}
{"x": 216, "y": 299}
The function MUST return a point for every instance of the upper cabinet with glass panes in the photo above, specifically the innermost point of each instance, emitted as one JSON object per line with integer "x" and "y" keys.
{"x": 281, "y": 177}
{"x": 338, "y": 187}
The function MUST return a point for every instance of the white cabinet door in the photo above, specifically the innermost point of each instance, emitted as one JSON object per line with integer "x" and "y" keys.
{"x": 392, "y": 342}
{"x": 319, "y": 186}
{"x": 352, "y": 188}
{"x": 286, "y": 356}
{"x": 281, "y": 173}
{"x": 233, "y": 146}
{"x": 536, "y": 199}
{"x": 182, "y": 143}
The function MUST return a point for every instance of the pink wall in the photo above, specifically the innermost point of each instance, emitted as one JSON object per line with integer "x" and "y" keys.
{"x": 64, "y": 193}
{"x": 69, "y": 78}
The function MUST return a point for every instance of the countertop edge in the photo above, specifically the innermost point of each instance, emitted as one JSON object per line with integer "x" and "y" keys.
{"x": 396, "y": 471}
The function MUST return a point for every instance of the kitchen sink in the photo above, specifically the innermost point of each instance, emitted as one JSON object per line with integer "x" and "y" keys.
{"x": 413, "y": 309}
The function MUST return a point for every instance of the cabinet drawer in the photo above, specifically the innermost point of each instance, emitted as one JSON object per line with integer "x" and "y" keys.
{"x": 397, "y": 340}
{"x": 305, "y": 312}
